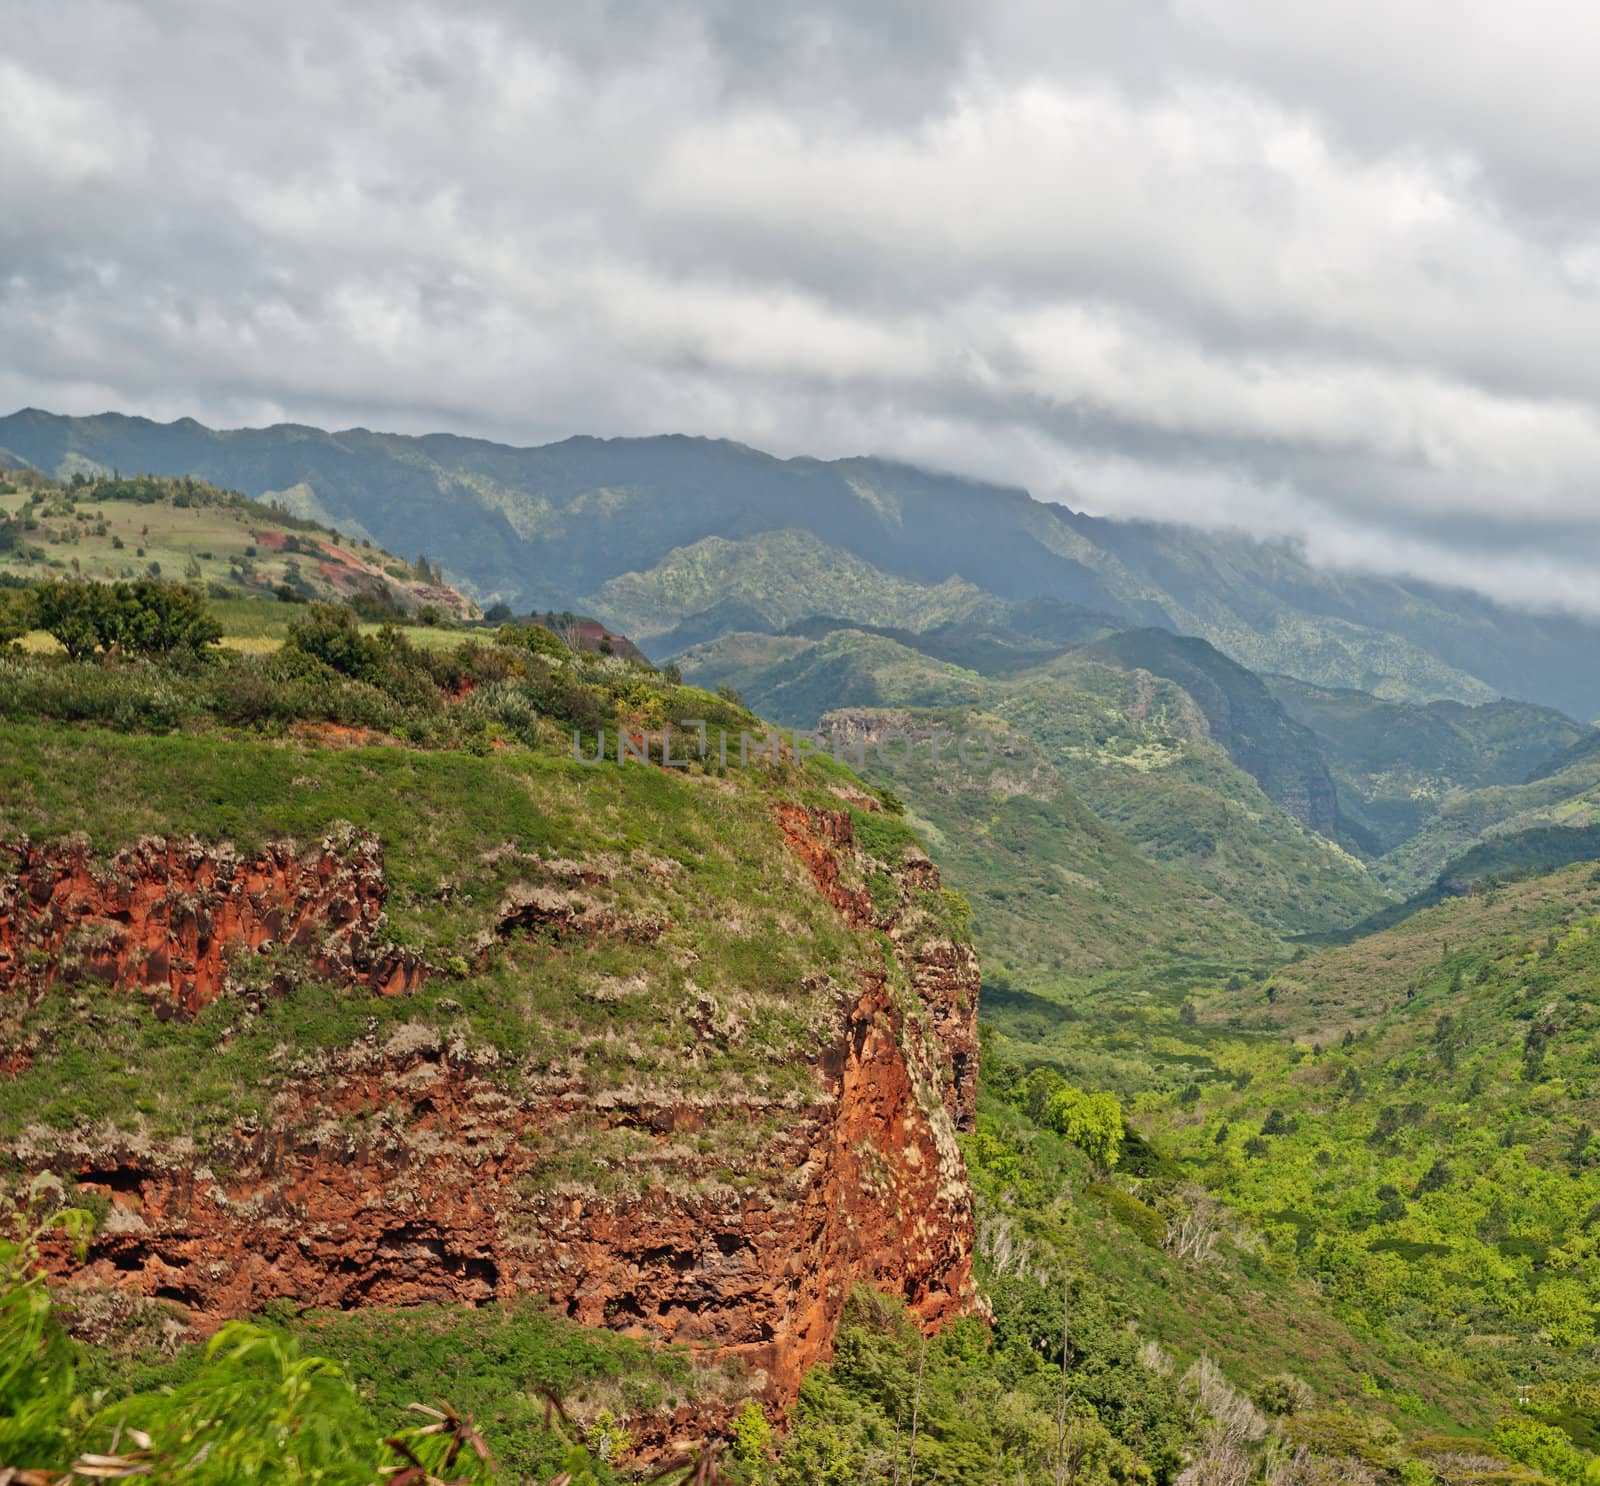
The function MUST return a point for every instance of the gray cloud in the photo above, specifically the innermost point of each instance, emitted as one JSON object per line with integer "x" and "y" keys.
{"x": 1328, "y": 272}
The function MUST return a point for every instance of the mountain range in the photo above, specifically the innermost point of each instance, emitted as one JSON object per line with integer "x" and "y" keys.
{"x": 687, "y": 533}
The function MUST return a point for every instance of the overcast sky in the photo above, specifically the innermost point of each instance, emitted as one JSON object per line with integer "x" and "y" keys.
{"x": 1330, "y": 269}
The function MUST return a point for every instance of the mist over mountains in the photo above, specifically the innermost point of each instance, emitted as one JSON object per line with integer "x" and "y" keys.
{"x": 686, "y": 539}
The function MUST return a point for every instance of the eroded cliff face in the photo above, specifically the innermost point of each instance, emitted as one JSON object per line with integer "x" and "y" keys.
{"x": 414, "y": 1168}
{"x": 944, "y": 973}
{"x": 166, "y": 917}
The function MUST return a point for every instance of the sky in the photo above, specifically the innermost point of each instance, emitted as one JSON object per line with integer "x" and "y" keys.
{"x": 1326, "y": 271}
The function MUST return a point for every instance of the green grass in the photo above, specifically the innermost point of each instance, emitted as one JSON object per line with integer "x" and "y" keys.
{"x": 725, "y": 888}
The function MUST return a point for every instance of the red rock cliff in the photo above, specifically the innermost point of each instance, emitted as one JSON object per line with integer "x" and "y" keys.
{"x": 399, "y": 1172}
{"x": 164, "y": 917}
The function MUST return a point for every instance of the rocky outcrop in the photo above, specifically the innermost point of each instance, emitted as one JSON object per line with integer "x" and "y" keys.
{"x": 944, "y": 973}
{"x": 168, "y": 917}
{"x": 412, "y": 1169}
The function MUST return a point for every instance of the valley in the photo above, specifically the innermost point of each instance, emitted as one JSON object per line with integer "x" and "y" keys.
{"x": 1196, "y": 1079}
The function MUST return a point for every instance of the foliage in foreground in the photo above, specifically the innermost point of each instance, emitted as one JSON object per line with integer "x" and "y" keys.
{"x": 255, "y": 1408}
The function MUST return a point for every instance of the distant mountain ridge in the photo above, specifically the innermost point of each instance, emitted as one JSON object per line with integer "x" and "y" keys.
{"x": 565, "y": 524}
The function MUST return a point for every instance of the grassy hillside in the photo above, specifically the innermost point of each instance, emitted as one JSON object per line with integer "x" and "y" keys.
{"x": 1059, "y": 900}
{"x": 795, "y": 681}
{"x": 546, "y": 527}
{"x": 184, "y": 530}
{"x": 1241, "y": 715}
{"x": 1570, "y": 797}
{"x": 459, "y": 758}
{"x": 459, "y": 825}
{"x": 705, "y": 977}
{"x": 1230, "y": 1302}
{"x": 777, "y": 577}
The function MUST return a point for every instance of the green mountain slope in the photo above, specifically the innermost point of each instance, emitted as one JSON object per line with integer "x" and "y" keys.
{"x": 1396, "y": 763}
{"x": 1427, "y": 1152}
{"x": 547, "y": 527}
{"x": 1138, "y": 751}
{"x": 615, "y": 1032}
{"x": 1242, "y": 715}
{"x": 1586, "y": 747}
{"x": 778, "y": 577}
{"x": 1569, "y": 797}
{"x": 794, "y": 680}
{"x": 186, "y": 530}
{"x": 1135, "y": 748}
{"x": 1058, "y": 897}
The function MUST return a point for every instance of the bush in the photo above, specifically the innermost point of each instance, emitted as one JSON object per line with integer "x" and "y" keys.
{"x": 1133, "y": 1214}
{"x": 143, "y": 617}
{"x": 145, "y": 698}
{"x": 533, "y": 637}
{"x": 16, "y": 615}
{"x": 73, "y": 614}
{"x": 158, "y": 618}
{"x": 330, "y": 634}
{"x": 377, "y": 608}
{"x": 1283, "y": 1394}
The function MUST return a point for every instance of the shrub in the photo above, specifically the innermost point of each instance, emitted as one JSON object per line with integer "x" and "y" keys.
{"x": 16, "y": 615}
{"x": 158, "y": 618}
{"x": 143, "y": 617}
{"x": 533, "y": 637}
{"x": 72, "y": 614}
{"x": 330, "y": 634}
{"x": 1133, "y": 1214}
{"x": 257, "y": 1410}
{"x": 1283, "y": 1394}
{"x": 377, "y": 608}
{"x": 144, "y": 698}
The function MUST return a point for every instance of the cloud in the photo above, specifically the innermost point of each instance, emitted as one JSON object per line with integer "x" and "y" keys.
{"x": 1326, "y": 272}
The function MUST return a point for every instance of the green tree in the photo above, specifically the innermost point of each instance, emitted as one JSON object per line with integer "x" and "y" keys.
{"x": 16, "y": 615}
{"x": 753, "y": 1442}
{"x": 537, "y": 638}
{"x": 1562, "y": 1307}
{"x": 1546, "y": 1449}
{"x": 75, "y": 615}
{"x": 330, "y": 633}
{"x": 1092, "y": 1122}
{"x": 150, "y": 618}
